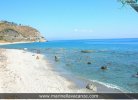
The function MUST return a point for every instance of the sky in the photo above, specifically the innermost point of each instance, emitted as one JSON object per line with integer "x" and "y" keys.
{"x": 73, "y": 19}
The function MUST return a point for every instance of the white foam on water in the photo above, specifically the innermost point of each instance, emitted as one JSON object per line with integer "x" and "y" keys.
{"x": 111, "y": 86}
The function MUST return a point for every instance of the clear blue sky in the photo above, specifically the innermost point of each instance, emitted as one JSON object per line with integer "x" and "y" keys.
{"x": 73, "y": 19}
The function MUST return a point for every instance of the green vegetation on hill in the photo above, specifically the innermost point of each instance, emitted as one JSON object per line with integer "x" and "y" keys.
{"x": 12, "y": 32}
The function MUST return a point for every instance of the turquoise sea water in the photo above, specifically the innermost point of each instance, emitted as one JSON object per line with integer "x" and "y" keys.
{"x": 120, "y": 55}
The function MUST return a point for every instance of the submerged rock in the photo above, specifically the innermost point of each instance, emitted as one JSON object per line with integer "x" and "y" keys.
{"x": 86, "y": 51}
{"x": 89, "y": 63}
{"x": 136, "y": 75}
{"x": 104, "y": 67}
{"x": 91, "y": 86}
{"x": 67, "y": 64}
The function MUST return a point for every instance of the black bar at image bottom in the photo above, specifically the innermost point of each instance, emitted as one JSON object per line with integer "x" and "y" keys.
{"x": 68, "y": 95}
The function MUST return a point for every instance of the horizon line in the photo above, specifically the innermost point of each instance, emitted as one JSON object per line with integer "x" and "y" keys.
{"x": 90, "y": 39}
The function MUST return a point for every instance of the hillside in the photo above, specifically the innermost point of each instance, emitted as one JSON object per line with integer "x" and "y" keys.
{"x": 12, "y": 32}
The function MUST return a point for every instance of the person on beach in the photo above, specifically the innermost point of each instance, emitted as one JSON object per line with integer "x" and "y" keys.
{"x": 37, "y": 57}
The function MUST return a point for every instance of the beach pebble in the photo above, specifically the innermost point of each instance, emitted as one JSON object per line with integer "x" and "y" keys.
{"x": 91, "y": 86}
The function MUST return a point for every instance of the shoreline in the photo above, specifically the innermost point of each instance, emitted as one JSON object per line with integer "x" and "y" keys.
{"x": 74, "y": 84}
{"x": 81, "y": 82}
{"x": 23, "y": 72}
{"x": 101, "y": 87}
{"x": 8, "y": 43}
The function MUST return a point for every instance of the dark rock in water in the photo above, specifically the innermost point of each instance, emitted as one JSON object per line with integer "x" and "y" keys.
{"x": 104, "y": 67}
{"x": 88, "y": 63}
{"x": 86, "y": 51}
{"x": 136, "y": 75}
{"x": 91, "y": 87}
{"x": 67, "y": 64}
{"x": 56, "y": 59}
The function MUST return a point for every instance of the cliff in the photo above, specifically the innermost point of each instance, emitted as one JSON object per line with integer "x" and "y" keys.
{"x": 12, "y": 32}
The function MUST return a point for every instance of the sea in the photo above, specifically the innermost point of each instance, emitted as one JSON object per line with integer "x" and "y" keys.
{"x": 120, "y": 56}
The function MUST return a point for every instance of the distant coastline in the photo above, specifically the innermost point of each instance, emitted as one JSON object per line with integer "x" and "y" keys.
{"x": 12, "y": 32}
